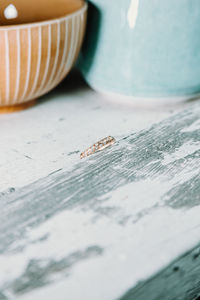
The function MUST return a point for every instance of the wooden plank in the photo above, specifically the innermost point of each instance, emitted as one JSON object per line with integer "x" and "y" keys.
{"x": 179, "y": 281}
{"x": 47, "y": 137}
{"x": 120, "y": 216}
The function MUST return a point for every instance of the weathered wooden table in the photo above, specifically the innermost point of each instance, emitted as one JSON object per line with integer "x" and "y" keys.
{"x": 122, "y": 224}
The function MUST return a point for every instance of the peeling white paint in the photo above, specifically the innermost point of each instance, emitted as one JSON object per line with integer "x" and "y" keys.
{"x": 185, "y": 150}
{"x": 126, "y": 246}
{"x": 194, "y": 126}
{"x": 71, "y": 230}
{"x": 48, "y": 141}
{"x": 133, "y": 13}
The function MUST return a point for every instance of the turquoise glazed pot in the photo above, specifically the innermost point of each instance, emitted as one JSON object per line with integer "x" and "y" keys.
{"x": 143, "y": 48}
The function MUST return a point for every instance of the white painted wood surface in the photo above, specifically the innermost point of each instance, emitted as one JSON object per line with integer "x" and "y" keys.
{"x": 38, "y": 141}
{"x": 100, "y": 240}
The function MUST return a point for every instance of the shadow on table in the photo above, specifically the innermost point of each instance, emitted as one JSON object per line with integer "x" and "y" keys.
{"x": 73, "y": 83}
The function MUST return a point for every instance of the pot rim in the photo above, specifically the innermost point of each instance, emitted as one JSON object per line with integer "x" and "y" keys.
{"x": 46, "y": 22}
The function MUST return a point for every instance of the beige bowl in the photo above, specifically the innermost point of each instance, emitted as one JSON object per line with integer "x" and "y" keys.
{"x": 39, "y": 43}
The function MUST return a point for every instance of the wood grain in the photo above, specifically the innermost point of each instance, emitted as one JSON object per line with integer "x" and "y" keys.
{"x": 121, "y": 216}
{"x": 179, "y": 281}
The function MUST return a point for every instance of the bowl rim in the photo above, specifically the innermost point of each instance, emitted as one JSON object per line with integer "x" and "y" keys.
{"x": 46, "y": 22}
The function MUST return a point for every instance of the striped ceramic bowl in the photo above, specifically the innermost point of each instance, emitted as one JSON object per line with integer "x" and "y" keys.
{"x": 36, "y": 53}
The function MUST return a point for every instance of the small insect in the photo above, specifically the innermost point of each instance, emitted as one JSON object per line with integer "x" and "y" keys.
{"x": 102, "y": 144}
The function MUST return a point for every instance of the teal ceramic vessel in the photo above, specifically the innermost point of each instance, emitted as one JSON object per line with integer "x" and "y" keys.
{"x": 143, "y": 48}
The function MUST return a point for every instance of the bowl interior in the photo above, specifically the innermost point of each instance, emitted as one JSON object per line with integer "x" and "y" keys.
{"x": 14, "y": 12}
